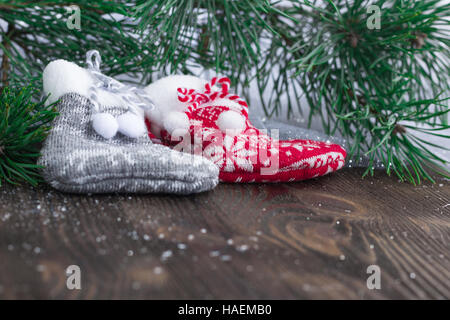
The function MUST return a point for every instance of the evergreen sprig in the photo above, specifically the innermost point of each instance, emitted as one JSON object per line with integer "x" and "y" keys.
{"x": 24, "y": 124}
{"x": 33, "y": 33}
{"x": 378, "y": 88}
{"x": 221, "y": 35}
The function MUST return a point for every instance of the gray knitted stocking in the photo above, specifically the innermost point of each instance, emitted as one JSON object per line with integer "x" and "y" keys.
{"x": 77, "y": 159}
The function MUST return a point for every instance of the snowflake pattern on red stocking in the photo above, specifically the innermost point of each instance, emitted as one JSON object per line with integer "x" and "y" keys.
{"x": 249, "y": 154}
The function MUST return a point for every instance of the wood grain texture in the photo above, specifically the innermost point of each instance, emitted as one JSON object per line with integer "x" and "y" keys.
{"x": 308, "y": 240}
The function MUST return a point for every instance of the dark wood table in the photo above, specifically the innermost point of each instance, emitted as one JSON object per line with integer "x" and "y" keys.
{"x": 313, "y": 239}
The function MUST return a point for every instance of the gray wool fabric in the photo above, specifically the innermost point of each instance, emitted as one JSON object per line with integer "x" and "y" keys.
{"x": 76, "y": 159}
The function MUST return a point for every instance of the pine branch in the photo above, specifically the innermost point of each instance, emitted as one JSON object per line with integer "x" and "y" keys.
{"x": 216, "y": 34}
{"x": 5, "y": 66}
{"x": 23, "y": 127}
{"x": 376, "y": 87}
{"x": 38, "y": 33}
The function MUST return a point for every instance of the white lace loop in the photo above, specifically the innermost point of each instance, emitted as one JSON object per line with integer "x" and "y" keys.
{"x": 136, "y": 99}
{"x": 93, "y": 60}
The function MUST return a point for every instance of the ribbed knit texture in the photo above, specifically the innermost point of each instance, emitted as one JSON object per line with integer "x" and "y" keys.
{"x": 76, "y": 159}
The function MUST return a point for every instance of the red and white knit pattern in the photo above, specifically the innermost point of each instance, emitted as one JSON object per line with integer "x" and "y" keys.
{"x": 196, "y": 99}
{"x": 251, "y": 155}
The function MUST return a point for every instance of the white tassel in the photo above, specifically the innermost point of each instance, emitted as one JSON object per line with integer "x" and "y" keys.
{"x": 105, "y": 125}
{"x": 131, "y": 125}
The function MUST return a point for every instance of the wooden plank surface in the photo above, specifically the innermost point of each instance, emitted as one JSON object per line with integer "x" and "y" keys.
{"x": 313, "y": 239}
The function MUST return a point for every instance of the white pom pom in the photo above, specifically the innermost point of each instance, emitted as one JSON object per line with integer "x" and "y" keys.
{"x": 131, "y": 125}
{"x": 176, "y": 121}
{"x": 61, "y": 77}
{"x": 105, "y": 125}
{"x": 231, "y": 122}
